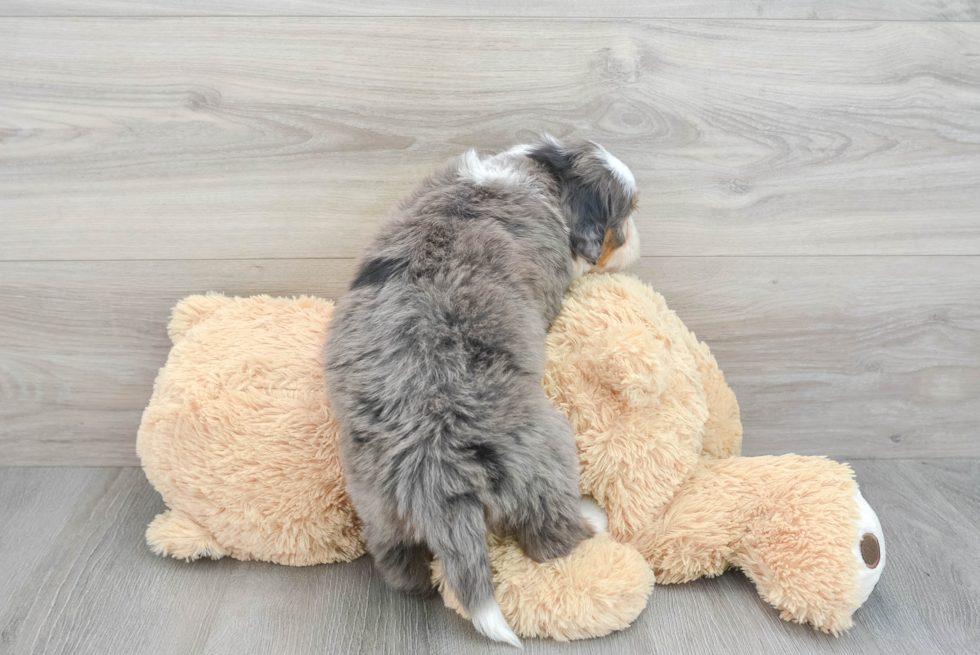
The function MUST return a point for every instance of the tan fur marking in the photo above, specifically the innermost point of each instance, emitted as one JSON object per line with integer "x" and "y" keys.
{"x": 613, "y": 241}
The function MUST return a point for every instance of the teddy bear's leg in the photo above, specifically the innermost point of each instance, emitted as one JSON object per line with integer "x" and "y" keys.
{"x": 806, "y": 531}
{"x": 797, "y": 526}
{"x": 818, "y": 552}
{"x": 176, "y": 534}
{"x": 696, "y": 534}
{"x": 844, "y": 559}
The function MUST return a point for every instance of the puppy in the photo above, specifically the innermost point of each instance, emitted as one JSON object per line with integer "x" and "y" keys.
{"x": 435, "y": 356}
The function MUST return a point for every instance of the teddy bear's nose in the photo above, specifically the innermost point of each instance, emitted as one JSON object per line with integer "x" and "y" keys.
{"x": 870, "y": 550}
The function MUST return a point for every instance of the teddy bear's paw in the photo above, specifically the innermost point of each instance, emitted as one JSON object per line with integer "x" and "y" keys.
{"x": 598, "y": 588}
{"x": 826, "y": 596}
{"x": 594, "y": 515}
{"x": 868, "y": 551}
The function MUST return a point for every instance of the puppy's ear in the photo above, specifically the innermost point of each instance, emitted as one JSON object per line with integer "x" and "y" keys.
{"x": 584, "y": 206}
{"x": 554, "y": 155}
{"x": 586, "y": 210}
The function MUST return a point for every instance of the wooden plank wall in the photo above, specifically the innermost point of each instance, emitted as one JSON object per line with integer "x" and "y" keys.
{"x": 930, "y": 10}
{"x": 810, "y": 188}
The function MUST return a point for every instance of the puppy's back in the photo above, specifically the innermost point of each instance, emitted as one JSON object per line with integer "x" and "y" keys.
{"x": 433, "y": 367}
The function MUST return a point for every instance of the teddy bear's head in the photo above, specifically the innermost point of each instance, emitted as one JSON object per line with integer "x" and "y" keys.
{"x": 631, "y": 379}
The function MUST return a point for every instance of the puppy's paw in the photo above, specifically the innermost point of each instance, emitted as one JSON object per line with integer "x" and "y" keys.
{"x": 555, "y": 538}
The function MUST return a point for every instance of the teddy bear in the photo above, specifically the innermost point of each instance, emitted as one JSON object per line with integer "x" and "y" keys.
{"x": 239, "y": 441}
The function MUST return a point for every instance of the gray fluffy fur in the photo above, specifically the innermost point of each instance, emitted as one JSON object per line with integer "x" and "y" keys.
{"x": 435, "y": 357}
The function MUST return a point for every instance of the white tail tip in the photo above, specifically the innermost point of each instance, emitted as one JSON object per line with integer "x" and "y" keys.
{"x": 594, "y": 515}
{"x": 489, "y": 621}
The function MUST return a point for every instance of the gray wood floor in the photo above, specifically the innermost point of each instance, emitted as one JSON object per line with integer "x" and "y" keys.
{"x": 77, "y": 578}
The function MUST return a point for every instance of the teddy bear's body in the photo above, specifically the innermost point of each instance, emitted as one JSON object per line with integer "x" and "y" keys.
{"x": 659, "y": 456}
{"x": 239, "y": 440}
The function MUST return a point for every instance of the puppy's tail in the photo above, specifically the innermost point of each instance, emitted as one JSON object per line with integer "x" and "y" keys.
{"x": 456, "y": 534}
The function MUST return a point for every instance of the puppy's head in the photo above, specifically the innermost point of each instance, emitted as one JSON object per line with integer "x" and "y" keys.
{"x": 598, "y": 198}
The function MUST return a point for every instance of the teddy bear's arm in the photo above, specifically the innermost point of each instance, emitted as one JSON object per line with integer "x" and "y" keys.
{"x": 723, "y": 429}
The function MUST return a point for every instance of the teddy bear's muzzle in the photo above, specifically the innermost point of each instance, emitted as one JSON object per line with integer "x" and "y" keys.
{"x": 869, "y": 550}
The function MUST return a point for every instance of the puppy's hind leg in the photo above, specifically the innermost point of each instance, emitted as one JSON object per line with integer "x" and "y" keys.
{"x": 553, "y": 526}
{"x": 548, "y": 514}
{"x": 403, "y": 562}
{"x": 406, "y": 567}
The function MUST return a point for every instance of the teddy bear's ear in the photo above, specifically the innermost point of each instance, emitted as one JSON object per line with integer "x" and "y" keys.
{"x": 192, "y": 310}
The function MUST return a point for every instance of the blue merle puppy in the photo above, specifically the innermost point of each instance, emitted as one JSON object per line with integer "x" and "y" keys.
{"x": 434, "y": 362}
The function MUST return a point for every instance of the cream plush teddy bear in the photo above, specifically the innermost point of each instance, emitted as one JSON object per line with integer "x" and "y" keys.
{"x": 239, "y": 441}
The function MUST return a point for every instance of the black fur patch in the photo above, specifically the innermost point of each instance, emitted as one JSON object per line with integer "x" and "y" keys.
{"x": 588, "y": 215}
{"x": 483, "y": 355}
{"x": 371, "y": 409}
{"x": 463, "y": 500}
{"x": 487, "y": 456}
{"x": 375, "y": 272}
{"x": 398, "y": 460}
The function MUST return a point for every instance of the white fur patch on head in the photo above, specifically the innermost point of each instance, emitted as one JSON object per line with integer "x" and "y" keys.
{"x": 546, "y": 137}
{"x": 618, "y": 168}
{"x": 489, "y": 621}
{"x": 521, "y": 150}
{"x": 579, "y": 267}
{"x": 499, "y": 168}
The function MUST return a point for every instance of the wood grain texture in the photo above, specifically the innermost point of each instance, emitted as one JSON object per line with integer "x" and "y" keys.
{"x": 278, "y": 138}
{"x": 82, "y": 343}
{"x": 925, "y": 10}
{"x": 846, "y": 357}
{"x": 79, "y": 579}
